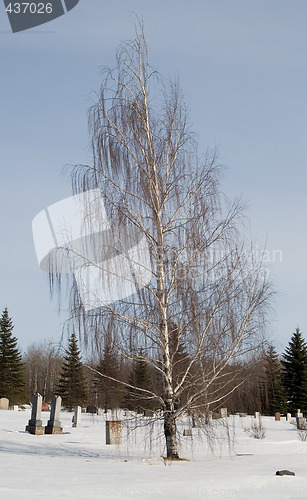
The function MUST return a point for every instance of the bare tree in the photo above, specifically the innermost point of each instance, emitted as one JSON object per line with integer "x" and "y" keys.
{"x": 170, "y": 273}
{"x": 42, "y": 367}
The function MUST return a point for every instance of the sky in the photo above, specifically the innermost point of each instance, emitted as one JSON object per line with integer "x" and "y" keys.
{"x": 242, "y": 68}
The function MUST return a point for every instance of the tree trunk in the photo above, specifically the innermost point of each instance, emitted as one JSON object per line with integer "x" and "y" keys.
{"x": 170, "y": 434}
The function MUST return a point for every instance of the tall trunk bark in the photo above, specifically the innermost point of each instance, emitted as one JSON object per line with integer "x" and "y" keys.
{"x": 170, "y": 434}
{"x": 169, "y": 418}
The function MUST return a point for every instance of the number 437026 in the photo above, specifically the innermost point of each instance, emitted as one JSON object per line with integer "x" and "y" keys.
{"x": 29, "y": 8}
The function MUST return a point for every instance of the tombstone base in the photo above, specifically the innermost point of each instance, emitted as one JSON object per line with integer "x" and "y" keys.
{"x": 114, "y": 441}
{"x": 37, "y": 430}
{"x": 53, "y": 423}
{"x": 53, "y": 430}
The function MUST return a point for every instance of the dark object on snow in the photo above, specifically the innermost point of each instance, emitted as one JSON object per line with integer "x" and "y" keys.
{"x": 285, "y": 473}
{"x": 91, "y": 409}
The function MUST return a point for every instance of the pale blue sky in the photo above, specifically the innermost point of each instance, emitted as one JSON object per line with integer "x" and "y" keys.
{"x": 242, "y": 66}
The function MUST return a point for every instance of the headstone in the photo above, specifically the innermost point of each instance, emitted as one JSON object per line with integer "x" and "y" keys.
{"x": 77, "y": 416}
{"x": 299, "y": 413}
{"x": 15, "y": 408}
{"x": 35, "y": 424}
{"x": 257, "y": 414}
{"x": 91, "y": 409}
{"x": 187, "y": 432}
{"x": 277, "y": 416}
{"x": 289, "y": 417}
{"x": 54, "y": 425}
{"x": 195, "y": 420}
{"x": 4, "y": 404}
{"x": 113, "y": 432}
{"x": 301, "y": 423}
{"x": 223, "y": 412}
{"x": 45, "y": 406}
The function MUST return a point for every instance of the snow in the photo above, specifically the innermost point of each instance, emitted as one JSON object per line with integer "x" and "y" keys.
{"x": 79, "y": 465}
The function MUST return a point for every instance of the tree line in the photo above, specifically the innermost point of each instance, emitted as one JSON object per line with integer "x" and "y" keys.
{"x": 269, "y": 382}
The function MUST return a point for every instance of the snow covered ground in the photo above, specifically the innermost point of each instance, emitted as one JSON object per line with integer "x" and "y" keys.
{"x": 79, "y": 465}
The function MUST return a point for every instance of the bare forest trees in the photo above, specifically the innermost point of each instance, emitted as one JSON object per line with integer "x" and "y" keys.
{"x": 42, "y": 368}
{"x": 168, "y": 276}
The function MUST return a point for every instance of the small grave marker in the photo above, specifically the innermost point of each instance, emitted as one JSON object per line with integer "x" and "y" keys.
{"x": 301, "y": 423}
{"x": 4, "y": 404}
{"x": 223, "y": 412}
{"x": 35, "y": 424}
{"x": 113, "y": 432}
{"x": 77, "y": 416}
{"x": 54, "y": 425}
{"x": 91, "y": 409}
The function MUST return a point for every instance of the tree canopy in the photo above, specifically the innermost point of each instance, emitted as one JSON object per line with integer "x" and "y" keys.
{"x": 72, "y": 385}
{"x": 11, "y": 366}
{"x": 295, "y": 372}
{"x": 170, "y": 250}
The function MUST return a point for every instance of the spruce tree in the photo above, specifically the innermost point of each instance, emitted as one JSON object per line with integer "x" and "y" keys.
{"x": 107, "y": 392}
{"x": 139, "y": 377}
{"x": 276, "y": 396}
{"x": 72, "y": 382}
{"x": 12, "y": 383}
{"x": 295, "y": 372}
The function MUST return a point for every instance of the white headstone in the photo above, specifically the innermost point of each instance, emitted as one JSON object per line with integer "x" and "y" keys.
{"x": 257, "y": 414}
{"x": 36, "y": 410}
{"x": 77, "y": 416}
{"x": 4, "y": 404}
{"x": 301, "y": 423}
{"x": 223, "y": 412}
{"x": 289, "y": 417}
{"x": 54, "y": 424}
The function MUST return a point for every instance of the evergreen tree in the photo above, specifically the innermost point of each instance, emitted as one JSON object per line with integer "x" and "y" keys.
{"x": 276, "y": 396}
{"x": 139, "y": 377}
{"x": 72, "y": 382}
{"x": 295, "y": 372}
{"x": 11, "y": 366}
{"x": 107, "y": 392}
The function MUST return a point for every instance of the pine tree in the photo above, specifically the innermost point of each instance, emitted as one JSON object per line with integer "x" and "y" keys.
{"x": 107, "y": 392}
{"x": 276, "y": 396}
{"x": 72, "y": 382}
{"x": 295, "y": 372}
{"x": 140, "y": 378}
{"x": 11, "y": 366}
